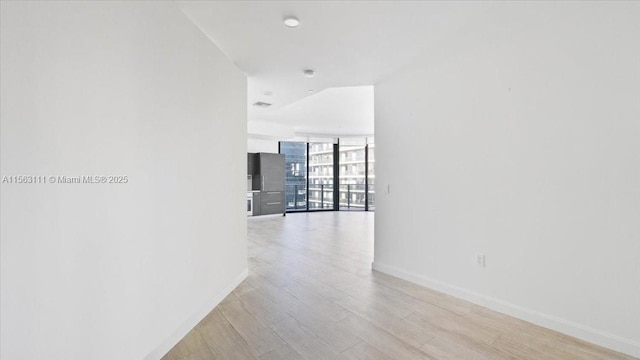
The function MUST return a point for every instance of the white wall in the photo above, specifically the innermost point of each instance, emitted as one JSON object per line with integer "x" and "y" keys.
{"x": 262, "y": 145}
{"x": 116, "y": 271}
{"x": 520, "y": 139}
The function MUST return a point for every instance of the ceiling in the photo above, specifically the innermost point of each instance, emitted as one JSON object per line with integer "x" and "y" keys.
{"x": 336, "y": 111}
{"x": 347, "y": 44}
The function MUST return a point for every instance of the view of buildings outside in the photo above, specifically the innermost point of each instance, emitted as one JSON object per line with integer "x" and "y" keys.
{"x": 352, "y": 177}
{"x": 372, "y": 177}
{"x": 295, "y": 174}
{"x": 320, "y": 176}
{"x": 320, "y": 172}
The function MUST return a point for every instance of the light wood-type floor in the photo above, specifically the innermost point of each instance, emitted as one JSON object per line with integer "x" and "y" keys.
{"x": 311, "y": 294}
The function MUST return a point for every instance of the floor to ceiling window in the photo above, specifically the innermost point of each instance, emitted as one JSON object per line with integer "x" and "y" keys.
{"x": 356, "y": 174}
{"x": 352, "y": 177}
{"x": 371, "y": 176}
{"x": 336, "y": 175}
{"x": 320, "y": 176}
{"x": 295, "y": 155}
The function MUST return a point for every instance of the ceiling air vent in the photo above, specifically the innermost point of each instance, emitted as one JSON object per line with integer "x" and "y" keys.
{"x": 261, "y": 104}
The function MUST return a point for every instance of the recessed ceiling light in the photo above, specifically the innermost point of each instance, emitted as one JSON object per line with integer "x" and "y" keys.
{"x": 309, "y": 73}
{"x": 291, "y": 21}
{"x": 310, "y": 91}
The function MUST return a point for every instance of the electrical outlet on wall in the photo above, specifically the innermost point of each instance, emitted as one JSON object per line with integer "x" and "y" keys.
{"x": 480, "y": 260}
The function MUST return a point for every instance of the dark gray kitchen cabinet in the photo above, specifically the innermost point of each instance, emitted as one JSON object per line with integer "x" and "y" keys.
{"x": 267, "y": 174}
{"x": 257, "y": 204}
{"x": 251, "y": 164}
{"x": 270, "y": 172}
{"x": 271, "y": 202}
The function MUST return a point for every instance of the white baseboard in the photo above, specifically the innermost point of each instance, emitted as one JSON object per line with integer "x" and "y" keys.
{"x": 613, "y": 342}
{"x": 177, "y": 335}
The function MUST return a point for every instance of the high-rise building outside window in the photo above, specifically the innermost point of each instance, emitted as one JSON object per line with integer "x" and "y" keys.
{"x": 295, "y": 157}
{"x": 371, "y": 176}
{"x": 315, "y": 170}
{"x": 321, "y": 176}
{"x": 352, "y": 177}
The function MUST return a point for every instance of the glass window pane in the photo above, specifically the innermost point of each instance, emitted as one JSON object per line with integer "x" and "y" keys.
{"x": 352, "y": 181}
{"x": 296, "y": 174}
{"x": 372, "y": 176}
{"x": 320, "y": 176}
